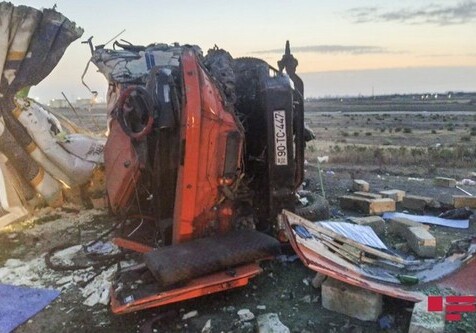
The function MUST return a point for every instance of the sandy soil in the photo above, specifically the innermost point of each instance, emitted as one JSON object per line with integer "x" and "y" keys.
{"x": 284, "y": 287}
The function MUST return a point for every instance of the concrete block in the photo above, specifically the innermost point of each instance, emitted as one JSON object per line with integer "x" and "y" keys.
{"x": 368, "y": 195}
{"x": 367, "y": 206}
{"x": 270, "y": 323}
{"x": 399, "y": 225}
{"x": 424, "y": 321}
{"x": 318, "y": 280}
{"x": 396, "y": 195}
{"x": 444, "y": 182}
{"x": 375, "y": 222}
{"x": 350, "y": 300}
{"x": 421, "y": 241}
{"x": 461, "y": 201}
{"x": 359, "y": 185}
{"x": 416, "y": 202}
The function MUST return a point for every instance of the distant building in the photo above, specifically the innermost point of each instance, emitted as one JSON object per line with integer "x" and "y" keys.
{"x": 58, "y": 103}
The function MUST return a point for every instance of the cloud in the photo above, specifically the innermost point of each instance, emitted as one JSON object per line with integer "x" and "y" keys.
{"x": 346, "y": 49}
{"x": 460, "y": 13}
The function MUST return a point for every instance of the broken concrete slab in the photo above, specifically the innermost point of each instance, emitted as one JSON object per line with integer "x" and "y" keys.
{"x": 368, "y": 195}
{"x": 416, "y": 202}
{"x": 359, "y": 185}
{"x": 396, "y": 195}
{"x": 428, "y": 219}
{"x": 421, "y": 241}
{"x": 375, "y": 222}
{"x": 461, "y": 201}
{"x": 424, "y": 321}
{"x": 398, "y": 225}
{"x": 444, "y": 182}
{"x": 367, "y": 206}
{"x": 350, "y": 300}
{"x": 270, "y": 323}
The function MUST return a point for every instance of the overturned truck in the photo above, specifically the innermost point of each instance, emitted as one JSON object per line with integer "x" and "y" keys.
{"x": 203, "y": 153}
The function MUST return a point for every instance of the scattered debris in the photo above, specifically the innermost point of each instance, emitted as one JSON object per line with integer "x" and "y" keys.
{"x": 457, "y": 214}
{"x": 368, "y": 195}
{"x": 190, "y": 314}
{"x": 360, "y": 233}
{"x": 342, "y": 258}
{"x": 245, "y": 315}
{"x": 421, "y": 241}
{"x": 270, "y": 323}
{"x": 459, "y": 224}
{"x": 424, "y": 321}
{"x": 460, "y": 201}
{"x": 318, "y": 280}
{"x": 375, "y": 222}
{"x": 97, "y": 291}
{"x": 418, "y": 203}
{"x": 207, "y": 328}
{"x": 367, "y": 206}
{"x": 396, "y": 195}
{"x": 352, "y": 301}
{"x": 386, "y": 322}
{"x": 467, "y": 182}
{"x": 359, "y": 185}
{"x": 444, "y": 182}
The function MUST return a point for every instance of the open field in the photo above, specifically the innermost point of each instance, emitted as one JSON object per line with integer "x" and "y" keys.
{"x": 393, "y": 139}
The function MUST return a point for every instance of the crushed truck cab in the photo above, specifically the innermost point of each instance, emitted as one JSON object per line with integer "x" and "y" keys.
{"x": 203, "y": 153}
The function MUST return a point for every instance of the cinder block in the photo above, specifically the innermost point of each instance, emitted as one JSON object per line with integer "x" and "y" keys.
{"x": 424, "y": 321}
{"x": 416, "y": 202}
{"x": 352, "y": 301}
{"x": 399, "y": 225}
{"x": 359, "y": 185}
{"x": 444, "y": 182}
{"x": 368, "y": 195}
{"x": 396, "y": 195}
{"x": 461, "y": 201}
{"x": 375, "y": 222}
{"x": 367, "y": 206}
{"x": 421, "y": 241}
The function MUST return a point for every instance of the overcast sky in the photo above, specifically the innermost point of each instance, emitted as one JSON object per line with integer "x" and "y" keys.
{"x": 343, "y": 47}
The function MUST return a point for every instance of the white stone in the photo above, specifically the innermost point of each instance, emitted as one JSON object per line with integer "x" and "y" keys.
{"x": 190, "y": 314}
{"x": 208, "y": 327}
{"x": 270, "y": 323}
{"x": 246, "y": 315}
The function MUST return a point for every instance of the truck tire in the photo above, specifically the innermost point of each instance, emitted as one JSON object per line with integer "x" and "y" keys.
{"x": 316, "y": 210}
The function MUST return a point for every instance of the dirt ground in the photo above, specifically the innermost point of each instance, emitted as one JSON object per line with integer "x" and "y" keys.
{"x": 284, "y": 286}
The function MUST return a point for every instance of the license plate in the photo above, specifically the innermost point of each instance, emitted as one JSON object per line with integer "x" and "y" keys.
{"x": 280, "y": 146}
